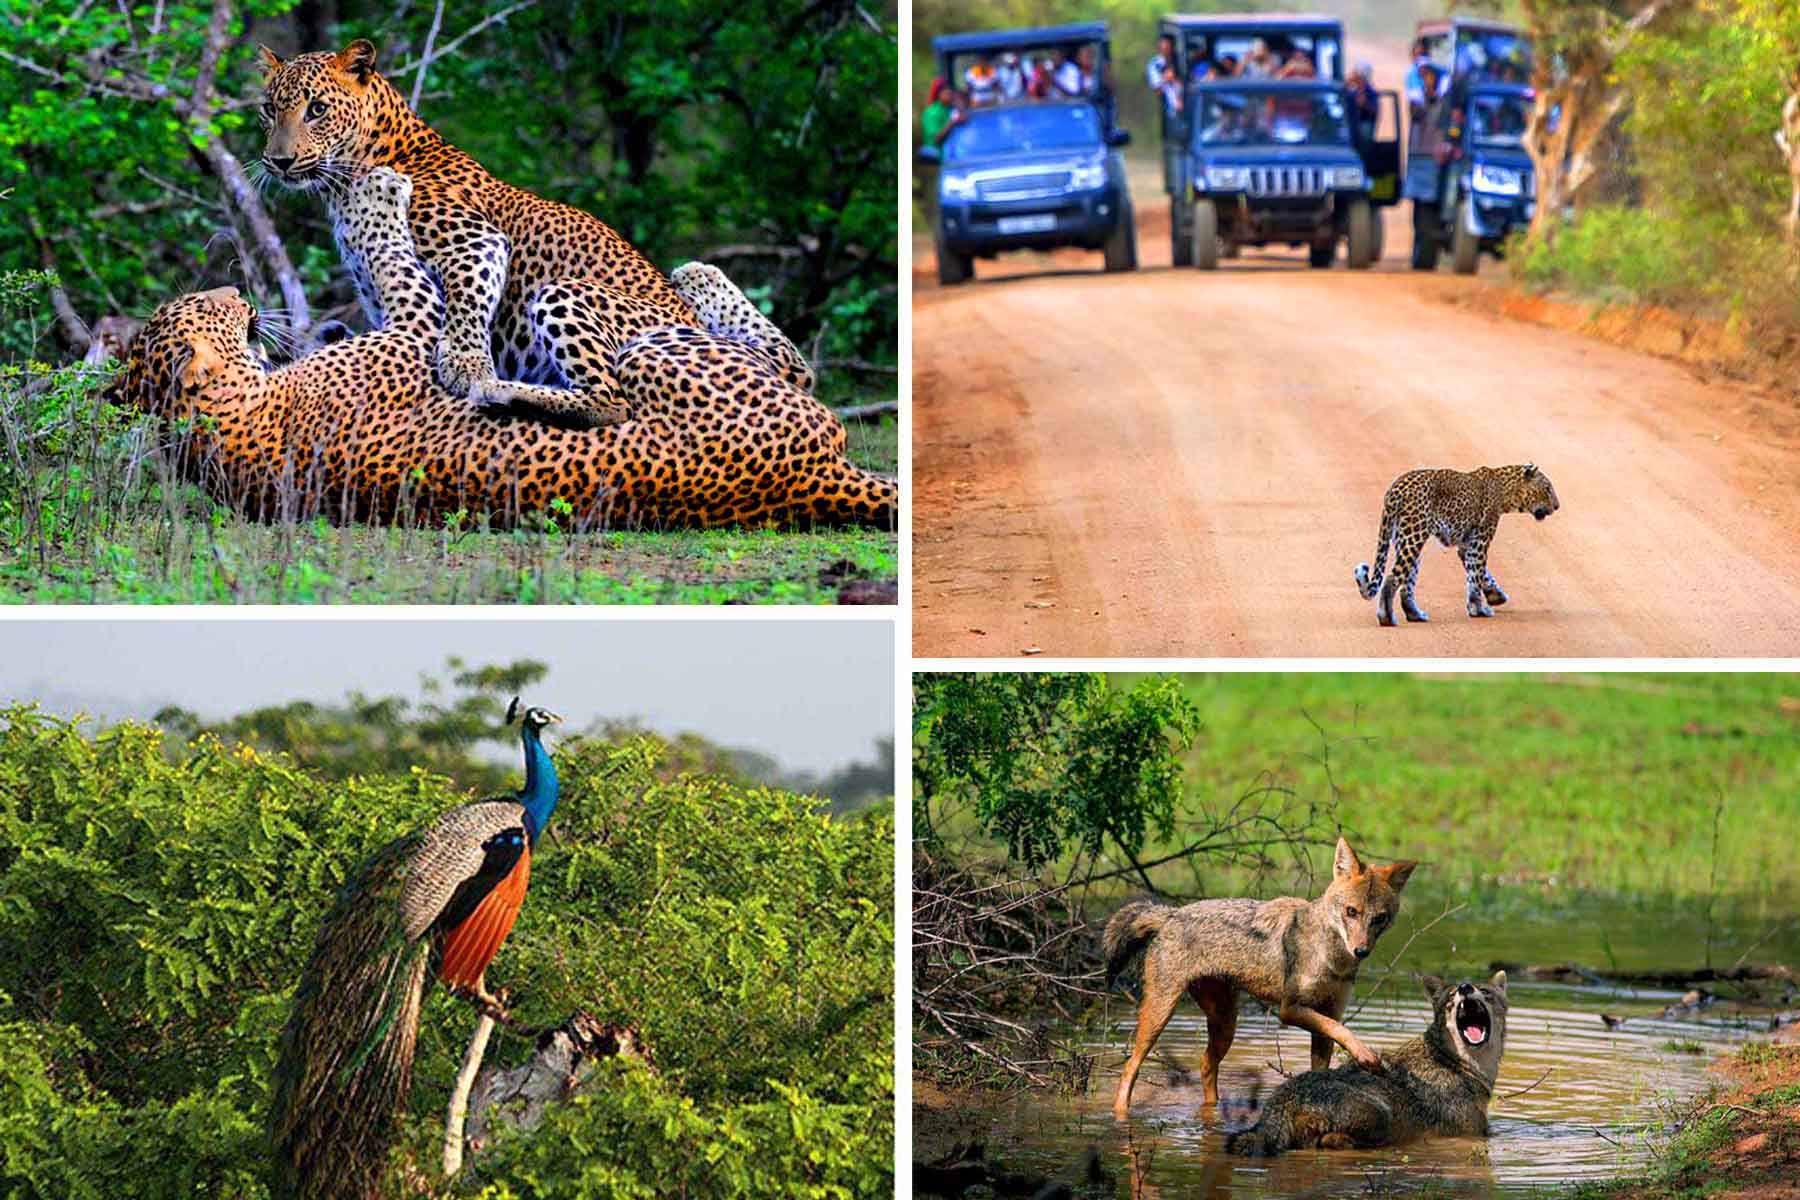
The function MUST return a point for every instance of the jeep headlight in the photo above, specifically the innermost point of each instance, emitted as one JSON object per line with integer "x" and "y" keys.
{"x": 1227, "y": 179}
{"x": 1347, "y": 177}
{"x": 1498, "y": 181}
{"x": 957, "y": 187}
{"x": 1086, "y": 179}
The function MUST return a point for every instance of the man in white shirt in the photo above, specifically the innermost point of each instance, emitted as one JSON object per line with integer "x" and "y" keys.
{"x": 1011, "y": 77}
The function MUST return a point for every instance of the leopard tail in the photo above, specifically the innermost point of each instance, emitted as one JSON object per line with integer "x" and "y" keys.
{"x": 1368, "y": 581}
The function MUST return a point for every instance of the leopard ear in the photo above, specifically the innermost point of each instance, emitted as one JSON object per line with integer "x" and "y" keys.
{"x": 268, "y": 60}
{"x": 358, "y": 58}
{"x": 1530, "y": 470}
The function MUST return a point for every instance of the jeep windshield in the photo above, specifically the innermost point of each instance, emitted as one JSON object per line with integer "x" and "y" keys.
{"x": 1254, "y": 117}
{"x": 1023, "y": 129}
{"x": 1497, "y": 119}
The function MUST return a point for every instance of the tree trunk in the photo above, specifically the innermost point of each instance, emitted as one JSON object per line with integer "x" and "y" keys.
{"x": 1580, "y": 152}
{"x": 565, "y": 1056}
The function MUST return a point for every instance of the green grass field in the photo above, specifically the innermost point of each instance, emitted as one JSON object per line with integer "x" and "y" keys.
{"x": 86, "y": 519}
{"x": 1605, "y": 782}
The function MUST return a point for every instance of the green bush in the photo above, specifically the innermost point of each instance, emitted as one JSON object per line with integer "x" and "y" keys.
{"x": 155, "y": 911}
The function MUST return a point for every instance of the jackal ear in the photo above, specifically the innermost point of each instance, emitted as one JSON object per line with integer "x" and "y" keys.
{"x": 1432, "y": 985}
{"x": 1345, "y": 863}
{"x": 358, "y": 58}
{"x": 1498, "y": 983}
{"x": 268, "y": 60}
{"x": 1398, "y": 873}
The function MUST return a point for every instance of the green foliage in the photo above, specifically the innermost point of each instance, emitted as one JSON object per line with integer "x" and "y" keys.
{"x": 1705, "y": 92}
{"x": 155, "y": 911}
{"x": 1050, "y": 761}
{"x": 681, "y": 124}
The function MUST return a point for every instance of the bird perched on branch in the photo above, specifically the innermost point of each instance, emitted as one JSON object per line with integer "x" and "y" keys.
{"x": 438, "y": 900}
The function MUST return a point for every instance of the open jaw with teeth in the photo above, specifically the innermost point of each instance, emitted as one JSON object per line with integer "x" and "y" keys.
{"x": 1472, "y": 1020}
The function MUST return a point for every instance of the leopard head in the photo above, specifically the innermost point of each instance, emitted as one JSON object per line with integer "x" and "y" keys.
{"x": 318, "y": 112}
{"x": 197, "y": 355}
{"x": 1533, "y": 492}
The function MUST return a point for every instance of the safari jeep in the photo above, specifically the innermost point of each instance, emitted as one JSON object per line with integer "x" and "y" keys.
{"x": 1468, "y": 174}
{"x": 1259, "y": 161}
{"x": 1030, "y": 173}
{"x": 1279, "y": 162}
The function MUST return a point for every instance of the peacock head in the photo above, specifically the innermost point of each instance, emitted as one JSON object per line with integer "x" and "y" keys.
{"x": 532, "y": 718}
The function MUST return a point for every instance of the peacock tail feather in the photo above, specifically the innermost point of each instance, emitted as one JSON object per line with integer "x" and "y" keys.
{"x": 345, "y": 1067}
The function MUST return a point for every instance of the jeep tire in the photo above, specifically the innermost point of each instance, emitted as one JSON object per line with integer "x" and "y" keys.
{"x": 1181, "y": 235}
{"x": 1424, "y": 247}
{"x": 1359, "y": 230}
{"x": 1465, "y": 246}
{"x": 1121, "y": 243}
{"x": 952, "y": 267}
{"x": 1205, "y": 241}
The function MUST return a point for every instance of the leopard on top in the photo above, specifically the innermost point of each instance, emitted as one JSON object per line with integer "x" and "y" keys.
{"x": 329, "y": 117}
{"x": 359, "y": 430}
{"x": 1461, "y": 509}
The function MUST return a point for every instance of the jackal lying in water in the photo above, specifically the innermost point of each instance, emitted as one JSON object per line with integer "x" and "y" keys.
{"x": 1440, "y": 1082}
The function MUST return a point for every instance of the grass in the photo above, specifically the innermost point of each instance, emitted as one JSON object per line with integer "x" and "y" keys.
{"x": 91, "y": 514}
{"x": 1504, "y": 784}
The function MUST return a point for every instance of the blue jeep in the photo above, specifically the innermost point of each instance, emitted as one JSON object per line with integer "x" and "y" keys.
{"x": 1255, "y": 161}
{"x": 1024, "y": 173}
{"x": 1468, "y": 174}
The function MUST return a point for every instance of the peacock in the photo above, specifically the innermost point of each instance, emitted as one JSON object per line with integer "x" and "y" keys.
{"x": 437, "y": 900}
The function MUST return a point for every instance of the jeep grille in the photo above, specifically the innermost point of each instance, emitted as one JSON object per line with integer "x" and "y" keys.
{"x": 1287, "y": 181}
{"x": 1022, "y": 187}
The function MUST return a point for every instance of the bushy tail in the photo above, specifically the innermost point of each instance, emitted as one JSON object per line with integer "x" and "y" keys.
{"x": 347, "y": 1052}
{"x": 1368, "y": 581}
{"x": 1129, "y": 931}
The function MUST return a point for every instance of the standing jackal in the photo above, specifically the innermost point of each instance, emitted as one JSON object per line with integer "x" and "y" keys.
{"x": 1298, "y": 955}
{"x": 1440, "y": 1082}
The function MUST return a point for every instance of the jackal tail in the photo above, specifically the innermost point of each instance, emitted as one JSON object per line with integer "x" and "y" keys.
{"x": 1129, "y": 931}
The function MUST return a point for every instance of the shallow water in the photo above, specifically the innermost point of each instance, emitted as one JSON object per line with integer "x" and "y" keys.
{"x": 1571, "y": 1103}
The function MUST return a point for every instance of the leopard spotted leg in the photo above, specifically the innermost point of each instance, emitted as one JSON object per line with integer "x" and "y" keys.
{"x": 721, "y": 308}
{"x": 578, "y": 328}
{"x": 1407, "y": 549}
{"x": 1490, "y": 587}
{"x": 1474, "y": 573}
{"x": 473, "y": 271}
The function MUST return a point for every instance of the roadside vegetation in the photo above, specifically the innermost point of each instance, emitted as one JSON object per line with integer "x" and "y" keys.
{"x": 1677, "y": 186}
{"x": 162, "y": 892}
{"x": 125, "y": 181}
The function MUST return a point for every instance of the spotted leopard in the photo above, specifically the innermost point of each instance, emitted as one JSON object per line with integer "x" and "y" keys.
{"x": 360, "y": 430}
{"x": 1461, "y": 509}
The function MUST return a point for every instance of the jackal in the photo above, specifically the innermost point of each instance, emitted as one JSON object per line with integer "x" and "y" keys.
{"x": 1440, "y": 1082}
{"x": 1298, "y": 955}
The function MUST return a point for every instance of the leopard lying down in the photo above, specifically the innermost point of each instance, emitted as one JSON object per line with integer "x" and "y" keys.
{"x": 359, "y": 430}
{"x": 1461, "y": 509}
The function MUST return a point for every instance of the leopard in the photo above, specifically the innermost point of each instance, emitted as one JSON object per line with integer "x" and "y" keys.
{"x": 496, "y": 251}
{"x": 361, "y": 430}
{"x": 1460, "y": 508}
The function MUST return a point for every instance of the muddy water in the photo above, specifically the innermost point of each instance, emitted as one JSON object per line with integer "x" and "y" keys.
{"x": 1573, "y": 1098}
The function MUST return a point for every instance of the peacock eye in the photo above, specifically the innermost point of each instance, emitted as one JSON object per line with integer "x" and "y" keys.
{"x": 315, "y": 110}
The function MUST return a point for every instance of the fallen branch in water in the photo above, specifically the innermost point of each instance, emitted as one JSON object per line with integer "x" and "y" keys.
{"x": 1567, "y": 972}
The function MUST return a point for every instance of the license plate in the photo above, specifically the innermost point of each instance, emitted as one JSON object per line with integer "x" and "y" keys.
{"x": 1036, "y": 223}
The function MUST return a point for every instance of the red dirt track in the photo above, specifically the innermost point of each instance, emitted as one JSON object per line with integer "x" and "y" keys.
{"x": 1169, "y": 463}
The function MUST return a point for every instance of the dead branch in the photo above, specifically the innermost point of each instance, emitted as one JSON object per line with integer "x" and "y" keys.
{"x": 518, "y": 1097}
{"x": 459, "y": 1095}
{"x": 1572, "y": 973}
{"x": 867, "y": 412}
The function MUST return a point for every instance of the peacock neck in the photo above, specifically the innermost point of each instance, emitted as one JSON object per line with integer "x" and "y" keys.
{"x": 540, "y": 792}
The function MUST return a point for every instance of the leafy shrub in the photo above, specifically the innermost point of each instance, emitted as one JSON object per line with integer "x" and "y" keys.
{"x": 155, "y": 911}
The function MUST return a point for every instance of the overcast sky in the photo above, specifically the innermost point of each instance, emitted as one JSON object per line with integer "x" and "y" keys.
{"x": 815, "y": 694}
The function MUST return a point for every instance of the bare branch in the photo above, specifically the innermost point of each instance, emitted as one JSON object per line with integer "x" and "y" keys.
{"x": 437, "y": 23}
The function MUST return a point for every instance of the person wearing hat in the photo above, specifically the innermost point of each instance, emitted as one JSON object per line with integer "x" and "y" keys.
{"x": 1011, "y": 77}
{"x": 939, "y": 114}
{"x": 1363, "y": 104}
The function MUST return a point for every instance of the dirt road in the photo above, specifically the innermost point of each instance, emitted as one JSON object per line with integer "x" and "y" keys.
{"x": 1170, "y": 463}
